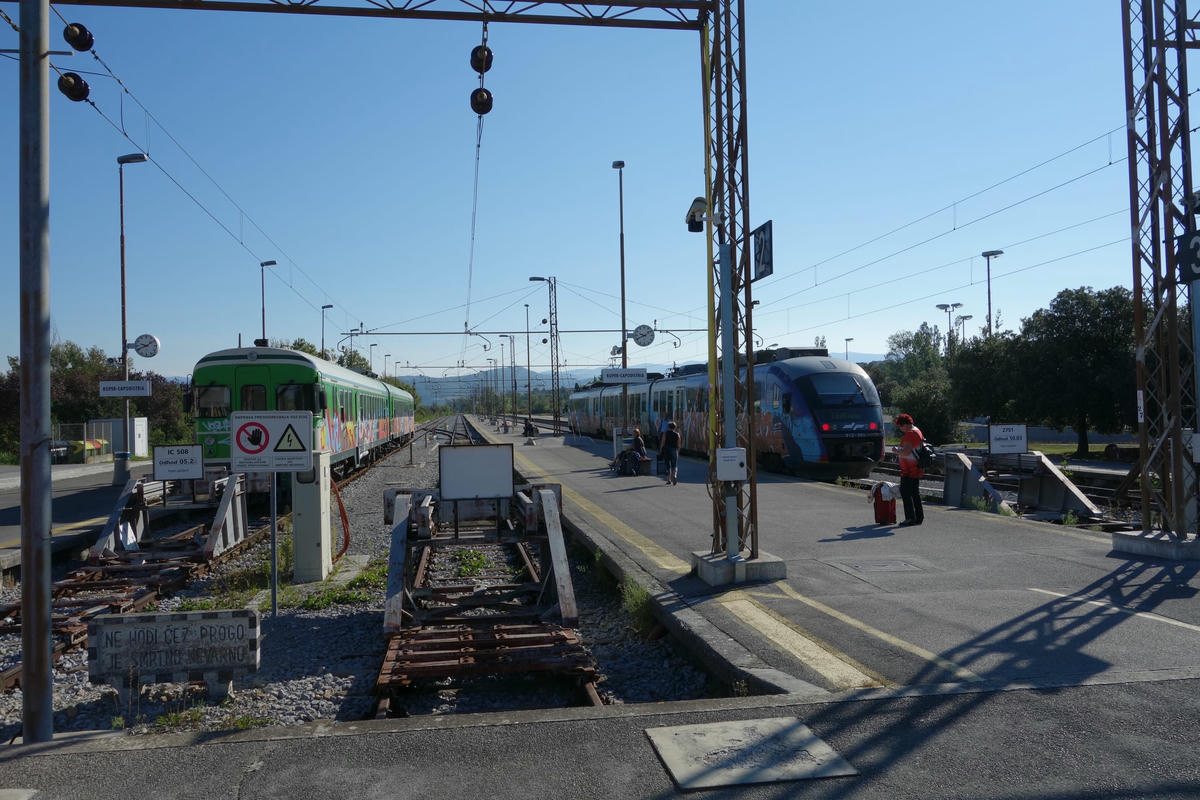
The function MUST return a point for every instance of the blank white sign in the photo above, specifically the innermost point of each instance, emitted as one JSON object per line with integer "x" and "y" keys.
{"x": 483, "y": 471}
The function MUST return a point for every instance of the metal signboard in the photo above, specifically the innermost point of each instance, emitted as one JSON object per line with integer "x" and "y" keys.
{"x": 270, "y": 441}
{"x": 177, "y": 462}
{"x": 476, "y": 472}
{"x": 176, "y": 647}
{"x": 124, "y": 388}
{"x": 1008, "y": 439}
{"x": 623, "y": 375}
{"x": 764, "y": 259}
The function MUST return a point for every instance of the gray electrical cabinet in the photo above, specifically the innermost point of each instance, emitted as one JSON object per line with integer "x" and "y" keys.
{"x": 312, "y": 536}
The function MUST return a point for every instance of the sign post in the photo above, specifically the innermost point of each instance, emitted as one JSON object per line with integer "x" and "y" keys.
{"x": 271, "y": 441}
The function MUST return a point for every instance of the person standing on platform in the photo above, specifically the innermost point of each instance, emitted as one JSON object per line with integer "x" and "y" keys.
{"x": 669, "y": 446}
{"x": 910, "y": 470}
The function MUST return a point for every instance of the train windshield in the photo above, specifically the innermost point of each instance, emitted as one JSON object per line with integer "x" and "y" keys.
{"x": 212, "y": 402}
{"x": 294, "y": 397}
{"x": 844, "y": 389}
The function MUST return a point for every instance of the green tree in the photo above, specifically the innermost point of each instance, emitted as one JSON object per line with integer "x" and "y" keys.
{"x": 917, "y": 382}
{"x": 304, "y": 346}
{"x": 986, "y": 378}
{"x": 1081, "y": 346}
{"x": 352, "y": 359}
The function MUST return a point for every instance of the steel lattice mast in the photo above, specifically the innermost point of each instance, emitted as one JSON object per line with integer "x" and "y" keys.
{"x": 555, "y": 386}
{"x": 1157, "y": 35}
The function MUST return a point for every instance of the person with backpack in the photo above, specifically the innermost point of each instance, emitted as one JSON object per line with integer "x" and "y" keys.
{"x": 669, "y": 448}
{"x": 911, "y": 440}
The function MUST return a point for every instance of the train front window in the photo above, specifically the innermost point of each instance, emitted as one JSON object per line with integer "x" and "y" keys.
{"x": 254, "y": 398}
{"x": 843, "y": 389}
{"x": 212, "y": 402}
{"x": 294, "y": 397}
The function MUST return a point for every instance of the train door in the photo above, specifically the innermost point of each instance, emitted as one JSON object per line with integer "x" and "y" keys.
{"x": 250, "y": 386}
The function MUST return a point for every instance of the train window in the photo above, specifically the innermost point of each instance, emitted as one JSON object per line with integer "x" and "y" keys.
{"x": 786, "y": 403}
{"x": 294, "y": 397}
{"x": 254, "y": 397}
{"x": 838, "y": 388}
{"x": 212, "y": 402}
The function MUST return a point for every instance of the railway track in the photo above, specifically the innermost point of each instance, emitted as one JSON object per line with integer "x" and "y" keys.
{"x": 479, "y": 599}
{"x": 127, "y": 581}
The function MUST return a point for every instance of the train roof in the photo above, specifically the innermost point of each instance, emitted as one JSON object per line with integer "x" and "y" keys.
{"x": 282, "y": 355}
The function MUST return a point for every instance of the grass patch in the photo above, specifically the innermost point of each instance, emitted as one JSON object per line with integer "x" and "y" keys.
{"x": 373, "y": 576}
{"x": 636, "y": 602}
{"x": 178, "y": 719}
{"x": 197, "y": 604}
{"x": 470, "y": 562}
{"x": 237, "y": 589}
{"x": 334, "y": 596}
{"x": 1070, "y": 519}
{"x": 246, "y": 722}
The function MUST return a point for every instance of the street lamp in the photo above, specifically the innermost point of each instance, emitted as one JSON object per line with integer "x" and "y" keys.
{"x": 989, "y": 255}
{"x": 121, "y": 460}
{"x": 262, "y": 278}
{"x": 324, "y": 308}
{"x": 619, "y": 166}
{"x": 528, "y": 388}
{"x": 386, "y": 356}
{"x": 849, "y": 339}
{"x": 948, "y": 308}
{"x": 962, "y": 320}
{"x": 371, "y": 356}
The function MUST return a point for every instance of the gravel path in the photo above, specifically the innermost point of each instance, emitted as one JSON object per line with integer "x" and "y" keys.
{"x": 323, "y": 664}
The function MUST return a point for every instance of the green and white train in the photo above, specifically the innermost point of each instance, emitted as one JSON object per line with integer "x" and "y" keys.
{"x": 354, "y": 415}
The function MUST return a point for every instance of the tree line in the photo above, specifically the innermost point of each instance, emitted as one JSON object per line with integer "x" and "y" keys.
{"x": 1070, "y": 366}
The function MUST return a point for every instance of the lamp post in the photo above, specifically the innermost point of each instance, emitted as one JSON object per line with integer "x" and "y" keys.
{"x": 324, "y": 308}
{"x": 949, "y": 308}
{"x": 989, "y": 255}
{"x": 619, "y": 166}
{"x": 962, "y": 321}
{"x": 121, "y": 460}
{"x": 262, "y": 278}
{"x": 371, "y": 356}
{"x": 386, "y": 356}
{"x": 528, "y": 388}
{"x": 849, "y": 339}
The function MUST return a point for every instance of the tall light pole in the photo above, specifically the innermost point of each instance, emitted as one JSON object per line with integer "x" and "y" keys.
{"x": 962, "y": 320}
{"x": 371, "y": 356}
{"x": 386, "y": 356}
{"x": 528, "y": 388}
{"x": 324, "y": 308}
{"x": 849, "y": 339}
{"x": 989, "y": 255}
{"x": 619, "y": 166}
{"x": 262, "y": 279}
{"x": 512, "y": 361}
{"x": 121, "y": 460}
{"x": 949, "y": 308}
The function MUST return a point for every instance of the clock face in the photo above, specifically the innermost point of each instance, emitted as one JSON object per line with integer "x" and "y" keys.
{"x": 643, "y": 335}
{"x": 146, "y": 345}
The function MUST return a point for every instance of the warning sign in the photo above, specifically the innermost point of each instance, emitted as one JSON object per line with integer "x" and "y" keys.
{"x": 290, "y": 442}
{"x": 271, "y": 441}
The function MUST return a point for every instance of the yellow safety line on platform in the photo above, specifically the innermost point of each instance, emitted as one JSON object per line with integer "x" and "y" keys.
{"x": 920, "y": 652}
{"x": 839, "y": 669}
{"x": 1130, "y": 611}
{"x": 659, "y": 555}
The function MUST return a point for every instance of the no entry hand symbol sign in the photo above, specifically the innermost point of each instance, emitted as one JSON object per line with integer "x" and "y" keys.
{"x": 271, "y": 441}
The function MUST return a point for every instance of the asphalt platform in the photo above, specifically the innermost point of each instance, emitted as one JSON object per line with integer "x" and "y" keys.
{"x": 974, "y": 656}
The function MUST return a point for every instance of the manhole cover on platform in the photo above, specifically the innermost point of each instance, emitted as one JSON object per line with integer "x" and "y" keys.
{"x": 879, "y": 565}
{"x": 744, "y": 752}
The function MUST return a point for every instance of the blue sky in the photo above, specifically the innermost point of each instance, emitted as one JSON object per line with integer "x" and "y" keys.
{"x": 890, "y": 143}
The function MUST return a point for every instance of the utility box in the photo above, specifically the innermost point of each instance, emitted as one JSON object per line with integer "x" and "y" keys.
{"x": 312, "y": 535}
{"x": 140, "y": 446}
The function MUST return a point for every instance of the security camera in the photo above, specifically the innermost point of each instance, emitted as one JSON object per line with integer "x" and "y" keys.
{"x": 695, "y": 215}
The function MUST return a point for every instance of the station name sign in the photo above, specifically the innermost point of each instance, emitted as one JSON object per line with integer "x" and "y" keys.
{"x": 624, "y": 375}
{"x": 124, "y": 388}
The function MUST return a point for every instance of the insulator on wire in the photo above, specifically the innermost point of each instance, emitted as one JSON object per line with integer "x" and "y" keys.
{"x": 481, "y": 58}
{"x": 79, "y": 37}
{"x": 481, "y": 101}
{"x": 73, "y": 86}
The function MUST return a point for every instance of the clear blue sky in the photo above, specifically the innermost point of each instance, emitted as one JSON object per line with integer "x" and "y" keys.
{"x": 345, "y": 150}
